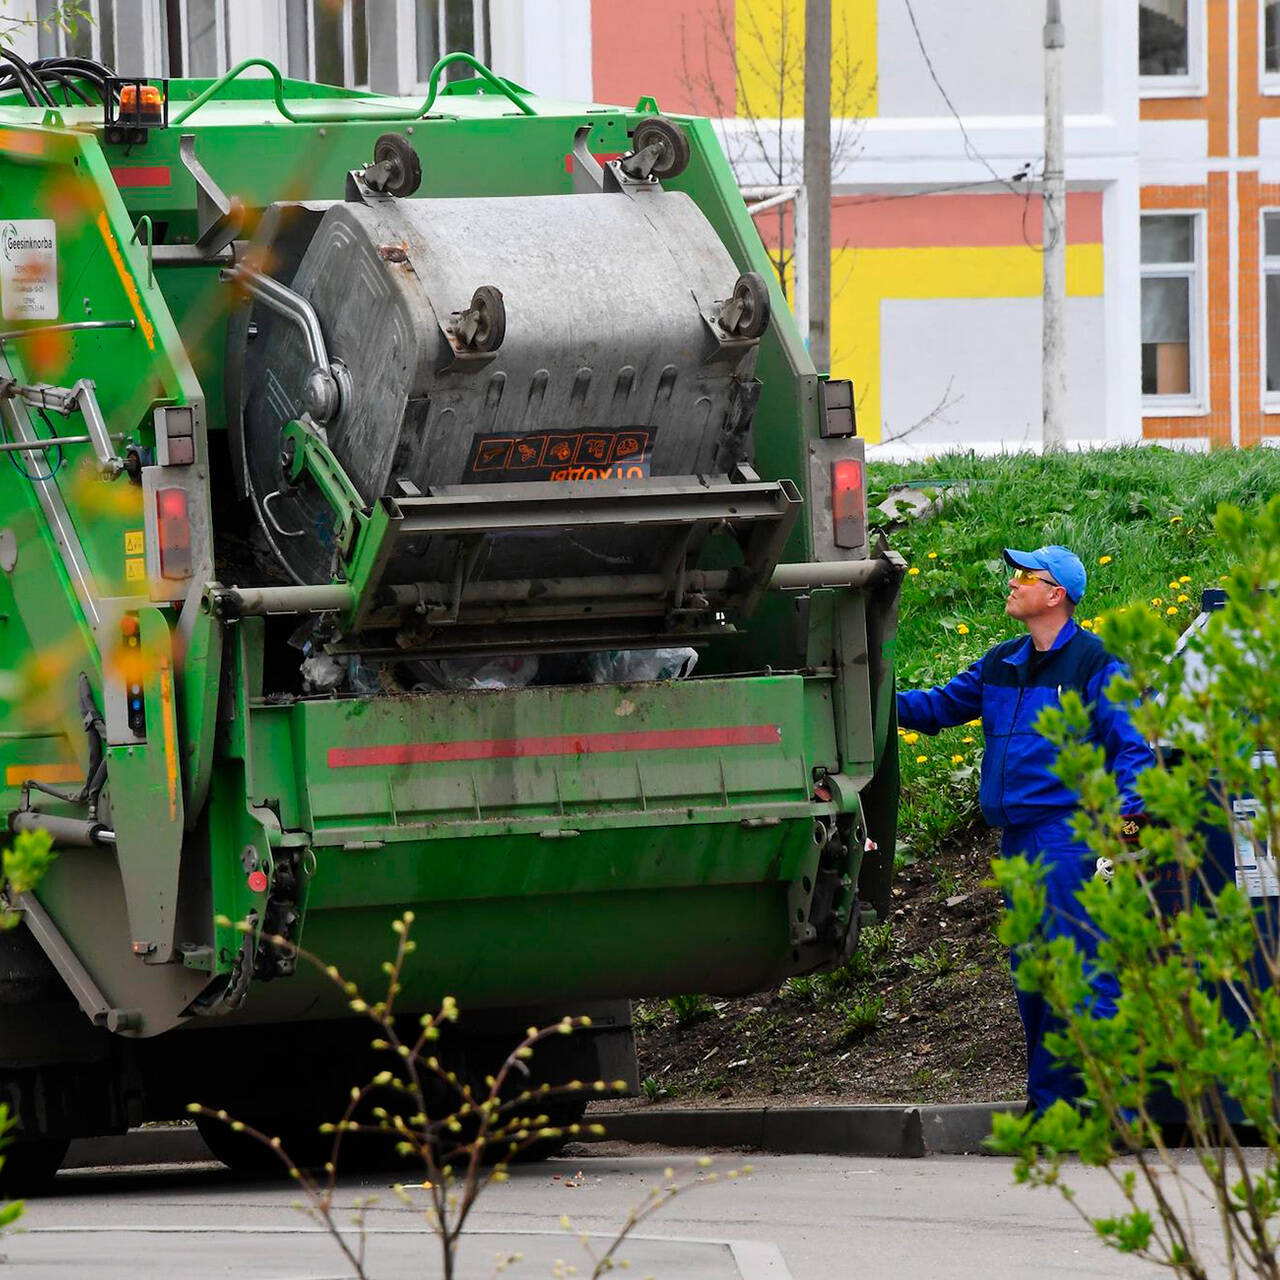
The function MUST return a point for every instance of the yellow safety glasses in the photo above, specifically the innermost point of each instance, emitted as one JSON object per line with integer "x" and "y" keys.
{"x": 1026, "y": 578}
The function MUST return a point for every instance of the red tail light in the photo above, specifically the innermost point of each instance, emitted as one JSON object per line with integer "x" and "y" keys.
{"x": 175, "y": 533}
{"x": 848, "y": 503}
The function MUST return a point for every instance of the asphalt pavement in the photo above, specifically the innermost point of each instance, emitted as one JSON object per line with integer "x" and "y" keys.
{"x": 793, "y": 1218}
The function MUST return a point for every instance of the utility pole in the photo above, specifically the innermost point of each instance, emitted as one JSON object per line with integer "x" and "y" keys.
{"x": 817, "y": 177}
{"x": 1054, "y": 230}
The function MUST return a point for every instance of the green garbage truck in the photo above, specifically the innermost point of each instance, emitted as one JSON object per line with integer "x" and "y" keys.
{"x": 407, "y": 506}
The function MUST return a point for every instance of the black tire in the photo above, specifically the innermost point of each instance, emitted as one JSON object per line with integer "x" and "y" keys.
{"x": 29, "y": 1167}
{"x": 488, "y": 301}
{"x": 672, "y": 142}
{"x": 752, "y": 292}
{"x": 246, "y": 1155}
{"x": 560, "y": 1115}
{"x": 406, "y": 166}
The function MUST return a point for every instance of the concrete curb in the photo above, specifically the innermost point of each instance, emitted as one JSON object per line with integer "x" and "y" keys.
{"x": 884, "y": 1130}
{"x": 156, "y": 1144}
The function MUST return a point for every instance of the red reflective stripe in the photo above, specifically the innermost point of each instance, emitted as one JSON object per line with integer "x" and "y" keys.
{"x": 576, "y": 744}
{"x": 143, "y": 175}
{"x": 603, "y": 156}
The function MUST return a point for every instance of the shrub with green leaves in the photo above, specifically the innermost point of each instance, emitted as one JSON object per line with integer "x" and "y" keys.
{"x": 1189, "y": 924}
{"x": 21, "y": 868}
{"x": 12, "y": 1211}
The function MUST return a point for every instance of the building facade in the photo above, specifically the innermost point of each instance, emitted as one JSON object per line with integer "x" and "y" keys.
{"x": 1173, "y": 168}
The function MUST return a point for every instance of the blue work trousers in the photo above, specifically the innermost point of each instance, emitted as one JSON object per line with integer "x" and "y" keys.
{"x": 1067, "y": 864}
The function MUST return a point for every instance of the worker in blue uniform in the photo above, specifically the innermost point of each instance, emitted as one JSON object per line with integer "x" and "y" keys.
{"x": 1019, "y": 791}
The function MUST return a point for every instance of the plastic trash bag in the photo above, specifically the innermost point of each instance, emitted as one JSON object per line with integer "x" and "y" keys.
{"x": 513, "y": 671}
{"x": 634, "y": 666}
{"x": 322, "y": 674}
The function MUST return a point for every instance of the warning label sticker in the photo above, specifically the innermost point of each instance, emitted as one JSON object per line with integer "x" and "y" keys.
{"x": 615, "y": 454}
{"x": 29, "y": 269}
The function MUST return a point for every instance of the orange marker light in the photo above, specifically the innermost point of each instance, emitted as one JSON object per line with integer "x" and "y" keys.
{"x": 142, "y": 103}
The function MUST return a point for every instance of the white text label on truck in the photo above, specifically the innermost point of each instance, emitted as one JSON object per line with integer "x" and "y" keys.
{"x": 29, "y": 269}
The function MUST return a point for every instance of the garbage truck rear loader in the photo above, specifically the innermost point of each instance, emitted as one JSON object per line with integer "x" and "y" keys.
{"x": 377, "y": 472}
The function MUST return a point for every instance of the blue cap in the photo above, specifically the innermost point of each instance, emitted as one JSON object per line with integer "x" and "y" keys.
{"x": 1062, "y": 565}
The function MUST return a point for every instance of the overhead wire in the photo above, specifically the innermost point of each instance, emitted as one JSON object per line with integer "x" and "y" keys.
{"x": 970, "y": 147}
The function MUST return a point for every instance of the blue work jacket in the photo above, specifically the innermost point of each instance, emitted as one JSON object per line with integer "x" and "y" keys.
{"x": 1018, "y": 786}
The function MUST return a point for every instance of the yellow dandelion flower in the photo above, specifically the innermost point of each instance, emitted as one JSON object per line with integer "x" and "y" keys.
{"x": 1183, "y": 599}
{"x": 911, "y": 739}
{"x": 912, "y": 572}
{"x": 1104, "y": 559}
{"x": 1097, "y": 622}
{"x": 1156, "y": 602}
{"x": 1175, "y": 519}
{"x": 1086, "y": 624}
{"x": 968, "y": 723}
{"x": 1186, "y": 577}
{"x": 921, "y": 759}
{"x": 933, "y": 555}
{"x": 966, "y": 739}
{"x": 1173, "y": 586}
{"x": 1173, "y": 608}
{"x": 957, "y": 759}
{"x": 962, "y": 630}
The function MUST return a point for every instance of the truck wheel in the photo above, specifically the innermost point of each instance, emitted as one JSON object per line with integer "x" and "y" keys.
{"x": 245, "y": 1155}
{"x": 559, "y": 1116}
{"x": 29, "y": 1167}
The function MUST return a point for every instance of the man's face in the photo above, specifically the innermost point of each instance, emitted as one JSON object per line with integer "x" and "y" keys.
{"x": 1032, "y": 594}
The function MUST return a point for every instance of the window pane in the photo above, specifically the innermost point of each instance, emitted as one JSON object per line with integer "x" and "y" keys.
{"x": 1273, "y": 332}
{"x": 359, "y": 43}
{"x": 202, "y": 37}
{"x": 1162, "y": 38}
{"x": 1271, "y": 234}
{"x": 427, "y": 36}
{"x": 459, "y": 34}
{"x": 1166, "y": 309}
{"x": 80, "y": 40}
{"x": 1271, "y": 35}
{"x": 107, "y": 32}
{"x": 1168, "y": 238}
{"x": 296, "y": 36}
{"x": 326, "y": 15}
{"x": 1166, "y": 336}
{"x": 46, "y": 32}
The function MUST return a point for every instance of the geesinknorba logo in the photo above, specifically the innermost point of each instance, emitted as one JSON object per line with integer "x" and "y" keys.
{"x": 15, "y": 243}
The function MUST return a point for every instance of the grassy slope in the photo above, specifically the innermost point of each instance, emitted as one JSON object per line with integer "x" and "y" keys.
{"x": 934, "y": 977}
{"x": 1139, "y": 518}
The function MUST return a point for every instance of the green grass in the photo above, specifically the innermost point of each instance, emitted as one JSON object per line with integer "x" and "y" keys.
{"x": 1139, "y": 518}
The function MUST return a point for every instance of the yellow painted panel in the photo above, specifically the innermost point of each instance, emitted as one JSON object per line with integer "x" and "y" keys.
{"x": 769, "y": 51}
{"x": 16, "y": 774}
{"x": 863, "y": 278}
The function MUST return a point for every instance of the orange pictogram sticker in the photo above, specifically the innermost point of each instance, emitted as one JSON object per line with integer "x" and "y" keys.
{"x": 492, "y": 455}
{"x": 527, "y": 452}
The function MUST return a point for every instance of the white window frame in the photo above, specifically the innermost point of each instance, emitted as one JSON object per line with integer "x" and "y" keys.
{"x": 1266, "y": 266}
{"x": 1193, "y": 83}
{"x": 1195, "y": 402}
{"x": 224, "y": 54}
{"x": 59, "y": 35}
{"x": 348, "y": 46}
{"x": 1268, "y": 81}
{"x": 478, "y": 48}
